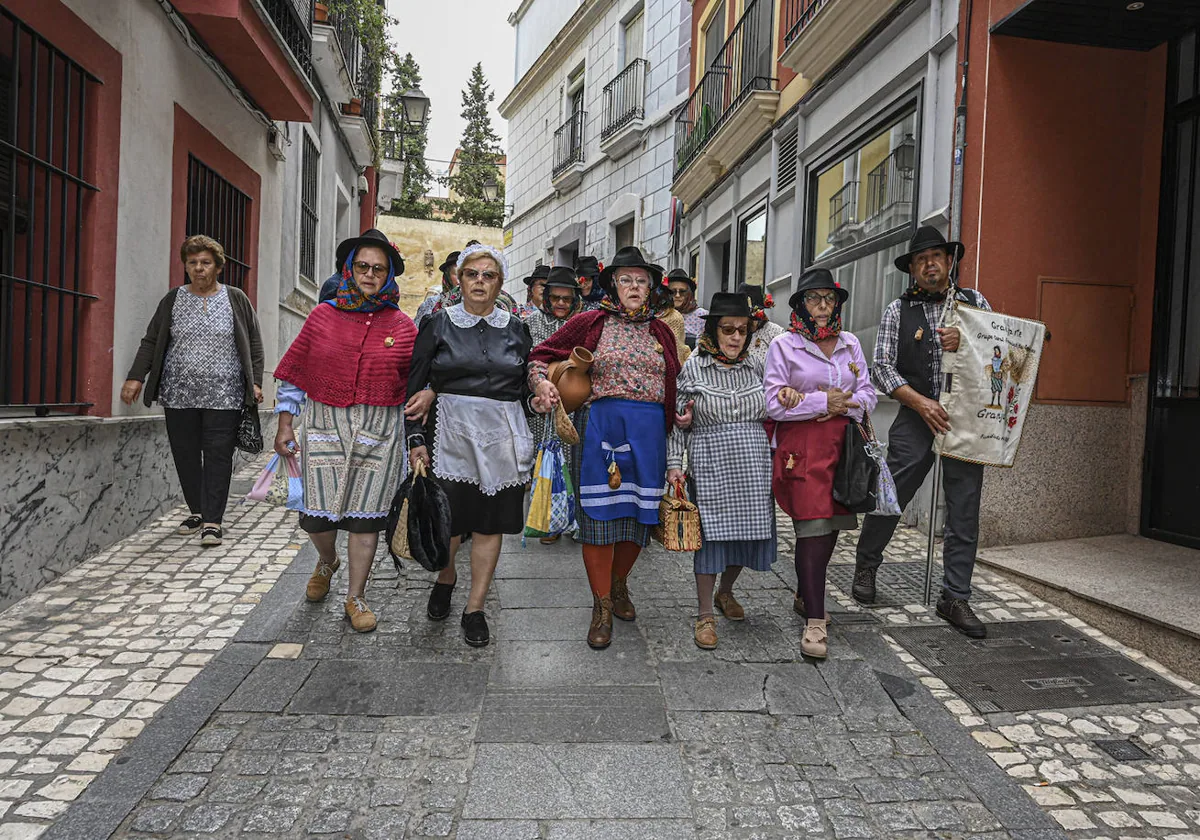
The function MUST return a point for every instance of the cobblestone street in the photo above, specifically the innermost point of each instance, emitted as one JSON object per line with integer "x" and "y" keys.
{"x": 162, "y": 691}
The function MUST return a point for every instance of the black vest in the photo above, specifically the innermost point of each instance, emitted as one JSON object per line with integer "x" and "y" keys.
{"x": 914, "y": 357}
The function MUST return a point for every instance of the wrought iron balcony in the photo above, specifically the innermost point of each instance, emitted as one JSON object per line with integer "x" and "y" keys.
{"x": 888, "y": 185}
{"x": 843, "y": 209}
{"x": 390, "y": 145}
{"x": 818, "y": 34}
{"x": 742, "y": 67}
{"x": 797, "y": 15}
{"x": 347, "y": 36}
{"x": 568, "y": 144}
{"x": 625, "y": 98}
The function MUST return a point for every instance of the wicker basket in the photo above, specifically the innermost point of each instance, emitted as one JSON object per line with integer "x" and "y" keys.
{"x": 679, "y": 521}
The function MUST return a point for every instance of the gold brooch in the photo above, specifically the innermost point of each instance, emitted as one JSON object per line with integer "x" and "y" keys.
{"x": 389, "y": 341}
{"x": 657, "y": 348}
{"x": 919, "y": 334}
{"x": 854, "y": 368}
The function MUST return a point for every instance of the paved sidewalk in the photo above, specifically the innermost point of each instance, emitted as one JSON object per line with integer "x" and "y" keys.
{"x": 90, "y": 659}
{"x": 300, "y": 726}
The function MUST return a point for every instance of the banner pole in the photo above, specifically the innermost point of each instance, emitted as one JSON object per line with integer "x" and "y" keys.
{"x": 929, "y": 547}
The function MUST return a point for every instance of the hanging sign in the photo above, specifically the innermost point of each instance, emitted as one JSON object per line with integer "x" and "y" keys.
{"x": 989, "y": 384}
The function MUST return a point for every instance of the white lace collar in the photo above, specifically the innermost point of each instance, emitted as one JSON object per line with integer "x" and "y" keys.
{"x": 460, "y": 317}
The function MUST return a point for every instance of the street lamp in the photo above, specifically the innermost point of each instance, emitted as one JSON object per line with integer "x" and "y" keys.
{"x": 491, "y": 189}
{"x": 906, "y": 155}
{"x": 416, "y": 106}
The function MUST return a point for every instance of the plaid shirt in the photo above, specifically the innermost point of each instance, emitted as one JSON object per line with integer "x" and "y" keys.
{"x": 883, "y": 372}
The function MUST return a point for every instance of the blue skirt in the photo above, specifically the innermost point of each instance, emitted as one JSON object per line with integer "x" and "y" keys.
{"x": 633, "y": 436}
{"x": 715, "y": 556}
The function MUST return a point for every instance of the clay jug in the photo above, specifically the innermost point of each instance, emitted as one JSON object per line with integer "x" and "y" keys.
{"x": 571, "y": 378}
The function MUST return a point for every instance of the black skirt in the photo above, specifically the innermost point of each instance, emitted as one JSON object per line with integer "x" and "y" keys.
{"x": 349, "y": 524}
{"x": 471, "y": 512}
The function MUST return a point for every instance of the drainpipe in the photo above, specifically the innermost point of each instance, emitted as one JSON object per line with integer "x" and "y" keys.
{"x": 960, "y": 135}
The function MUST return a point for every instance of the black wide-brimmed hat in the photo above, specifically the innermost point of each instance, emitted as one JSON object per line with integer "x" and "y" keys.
{"x": 758, "y": 300}
{"x": 681, "y": 274}
{"x": 729, "y": 305}
{"x": 375, "y": 239}
{"x": 562, "y": 277}
{"x": 450, "y": 263}
{"x": 587, "y": 267}
{"x": 813, "y": 279}
{"x": 540, "y": 272}
{"x": 630, "y": 257}
{"x": 927, "y": 236}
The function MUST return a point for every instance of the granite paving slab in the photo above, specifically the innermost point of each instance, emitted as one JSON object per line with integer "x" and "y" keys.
{"x": 270, "y": 686}
{"x": 625, "y": 662}
{"x": 544, "y": 592}
{"x": 354, "y": 687}
{"x": 587, "y": 714}
{"x": 545, "y": 624}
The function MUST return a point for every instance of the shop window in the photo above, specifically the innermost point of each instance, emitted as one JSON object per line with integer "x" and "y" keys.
{"x": 217, "y": 208}
{"x": 861, "y": 215}
{"x": 45, "y": 201}
{"x": 308, "y": 208}
{"x": 752, "y": 249}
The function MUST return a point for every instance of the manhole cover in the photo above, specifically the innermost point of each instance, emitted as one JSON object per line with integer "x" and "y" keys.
{"x": 1027, "y": 665}
{"x": 896, "y": 584}
{"x": 1010, "y": 641}
{"x": 847, "y": 617}
{"x": 1123, "y": 750}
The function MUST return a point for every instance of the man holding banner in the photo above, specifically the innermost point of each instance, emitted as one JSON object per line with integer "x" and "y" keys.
{"x": 908, "y": 366}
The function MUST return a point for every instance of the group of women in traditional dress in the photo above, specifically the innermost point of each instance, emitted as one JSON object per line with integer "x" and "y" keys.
{"x": 737, "y": 410}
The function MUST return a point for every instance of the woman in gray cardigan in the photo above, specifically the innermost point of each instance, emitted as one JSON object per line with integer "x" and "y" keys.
{"x": 202, "y": 360}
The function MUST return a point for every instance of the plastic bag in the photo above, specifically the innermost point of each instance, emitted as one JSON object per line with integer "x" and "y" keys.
{"x": 279, "y": 484}
{"x": 552, "y": 504}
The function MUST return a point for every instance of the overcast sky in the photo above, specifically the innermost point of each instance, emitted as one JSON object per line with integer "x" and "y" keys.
{"x": 447, "y": 38}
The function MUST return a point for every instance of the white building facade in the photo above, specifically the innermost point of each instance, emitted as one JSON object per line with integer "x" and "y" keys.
{"x": 591, "y": 139}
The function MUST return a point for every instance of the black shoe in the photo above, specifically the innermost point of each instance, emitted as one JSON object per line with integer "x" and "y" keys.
{"x": 210, "y": 536}
{"x": 959, "y": 613}
{"x": 475, "y": 629}
{"x": 863, "y": 589}
{"x": 190, "y": 525}
{"x": 439, "y": 601}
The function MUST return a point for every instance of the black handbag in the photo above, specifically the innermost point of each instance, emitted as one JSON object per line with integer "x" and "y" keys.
{"x": 249, "y": 431}
{"x": 856, "y": 480}
{"x": 418, "y": 523}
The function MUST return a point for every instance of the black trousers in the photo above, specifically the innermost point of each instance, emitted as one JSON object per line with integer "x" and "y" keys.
{"x": 202, "y": 443}
{"x": 910, "y": 457}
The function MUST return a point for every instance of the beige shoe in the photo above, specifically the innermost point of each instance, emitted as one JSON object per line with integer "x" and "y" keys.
{"x": 318, "y": 584}
{"x": 622, "y": 605}
{"x": 706, "y": 633}
{"x": 729, "y": 606}
{"x": 360, "y": 615}
{"x": 814, "y": 642}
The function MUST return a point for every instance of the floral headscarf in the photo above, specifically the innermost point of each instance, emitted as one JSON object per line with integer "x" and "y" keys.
{"x": 350, "y": 298}
{"x": 804, "y": 323}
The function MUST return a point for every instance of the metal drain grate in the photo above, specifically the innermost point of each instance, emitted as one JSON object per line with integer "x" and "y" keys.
{"x": 896, "y": 584}
{"x": 1028, "y": 665}
{"x": 1123, "y": 750}
{"x": 842, "y": 618}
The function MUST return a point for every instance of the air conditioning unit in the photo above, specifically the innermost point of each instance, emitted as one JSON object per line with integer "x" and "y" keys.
{"x": 277, "y": 143}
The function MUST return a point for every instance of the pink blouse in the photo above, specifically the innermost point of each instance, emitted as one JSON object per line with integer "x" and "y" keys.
{"x": 795, "y": 362}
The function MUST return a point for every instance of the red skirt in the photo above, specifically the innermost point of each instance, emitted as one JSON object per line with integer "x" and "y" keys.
{"x": 805, "y": 459}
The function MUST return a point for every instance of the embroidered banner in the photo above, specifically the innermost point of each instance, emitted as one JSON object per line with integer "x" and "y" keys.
{"x": 989, "y": 383}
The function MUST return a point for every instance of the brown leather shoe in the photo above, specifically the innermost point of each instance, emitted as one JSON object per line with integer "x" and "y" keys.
{"x": 706, "y": 633}
{"x": 318, "y": 584}
{"x": 360, "y": 615}
{"x": 600, "y": 632}
{"x": 549, "y": 540}
{"x": 729, "y": 606}
{"x": 622, "y": 606}
{"x": 814, "y": 642}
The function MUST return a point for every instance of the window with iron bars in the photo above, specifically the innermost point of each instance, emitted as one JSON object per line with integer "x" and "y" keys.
{"x": 218, "y": 209}
{"x": 308, "y": 209}
{"x": 45, "y": 202}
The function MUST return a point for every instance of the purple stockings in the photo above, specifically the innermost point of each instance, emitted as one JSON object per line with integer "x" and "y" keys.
{"x": 812, "y": 558}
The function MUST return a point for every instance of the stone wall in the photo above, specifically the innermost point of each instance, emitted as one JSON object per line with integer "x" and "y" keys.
{"x": 74, "y": 486}
{"x": 424, "y": 244}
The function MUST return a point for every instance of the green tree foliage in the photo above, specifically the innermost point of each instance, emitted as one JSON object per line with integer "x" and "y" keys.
{"x": 405, "y": 74}
{"x": 478, "y": 151}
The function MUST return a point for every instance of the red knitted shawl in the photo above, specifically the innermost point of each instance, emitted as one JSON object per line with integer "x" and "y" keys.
{"x": 583, "y": 330}
{"x": 344, "y": 358}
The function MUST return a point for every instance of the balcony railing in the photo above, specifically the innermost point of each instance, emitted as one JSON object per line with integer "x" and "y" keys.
{"x": 797, "y": 15}
{"x": 347, "y": 35}
{"x": 390, "y": 145}
{"x": 743, "y": 65}
{"x": 625, "y": 98}
{"x": 888, "y": 185}
{"x": 293, "y": 21}
{"x": 568, "y": 143}
{"x": 843, "y": 209}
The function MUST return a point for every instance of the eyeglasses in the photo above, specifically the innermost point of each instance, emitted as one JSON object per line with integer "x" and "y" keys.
{"x": 627, "y": 281}
{"x": 486, "y": 276}
{"x": 814, "y": 298}
{"x": 562, "y": 299}
{"x": 680, "y": 292}
{"x": 366, "y": 268}
{"x": 727, "y": 330}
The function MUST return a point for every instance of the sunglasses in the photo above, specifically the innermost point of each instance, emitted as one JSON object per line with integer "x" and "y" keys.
{"x": 486, "y": 276}
{"x": 366, "y": 268}
{"x": 568, "y": 299}
{"x": 727, "y": 330}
